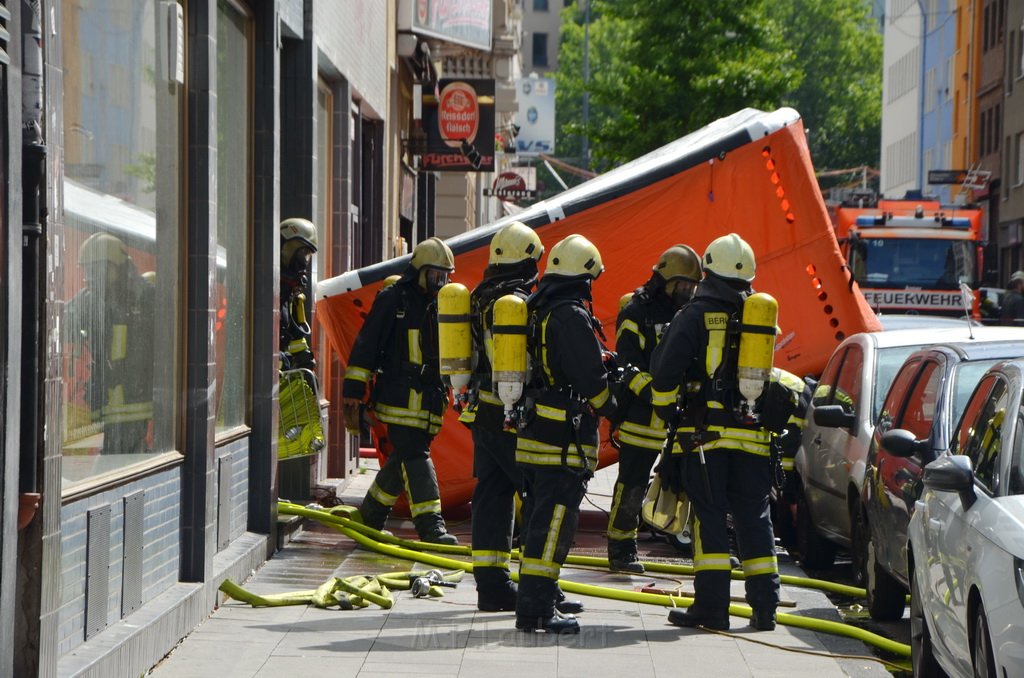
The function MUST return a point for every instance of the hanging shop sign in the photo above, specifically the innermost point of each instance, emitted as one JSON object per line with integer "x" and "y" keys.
{"x": 458, "y": 117}
{"x": 510, "y": 186}
{"x": 463, "y": 22}
{"x": 536, "y": 117}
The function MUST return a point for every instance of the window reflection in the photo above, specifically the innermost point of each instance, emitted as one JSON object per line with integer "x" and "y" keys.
{"x": 120, "y": 327}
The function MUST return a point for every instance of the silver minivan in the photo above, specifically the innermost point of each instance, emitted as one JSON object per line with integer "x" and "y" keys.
{"x": 840, "y": 422}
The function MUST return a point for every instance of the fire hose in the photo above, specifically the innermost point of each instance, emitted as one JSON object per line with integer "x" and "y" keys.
{"x": 388, "y": 544}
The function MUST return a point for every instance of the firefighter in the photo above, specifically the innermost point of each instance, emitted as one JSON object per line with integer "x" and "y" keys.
{"x": 512, "y": 269}
{"x": 697, "y": 363}
{"x": 557, "y": 443}
{"x": 111, "y": 319}
{"x": 397, "y": 350}
{"x": 641, "y": 434}
{"x": 298, "y": 245}
{"x": 785, "y": 447}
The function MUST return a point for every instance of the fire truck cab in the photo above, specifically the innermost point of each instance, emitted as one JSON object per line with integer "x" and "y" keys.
{"x": 913, "y": 256}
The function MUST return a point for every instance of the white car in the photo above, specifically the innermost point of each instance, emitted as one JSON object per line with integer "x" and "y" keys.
{"x": 966, "y": 540}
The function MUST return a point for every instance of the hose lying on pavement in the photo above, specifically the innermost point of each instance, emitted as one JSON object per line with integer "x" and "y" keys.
{"x": 388, "y": 544}
{"x": 354, "y": 591}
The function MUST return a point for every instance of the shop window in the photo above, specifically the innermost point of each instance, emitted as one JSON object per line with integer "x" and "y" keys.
{"x": 120, "y": 271}
{"x": 234, "y": 215}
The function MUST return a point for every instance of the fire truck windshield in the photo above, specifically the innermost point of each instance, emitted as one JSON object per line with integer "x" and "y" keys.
{"x": 919, "y": 263}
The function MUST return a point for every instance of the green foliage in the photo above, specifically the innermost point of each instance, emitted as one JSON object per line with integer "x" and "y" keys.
{"x": 144, "y": 170}
{"x": 839, "y": 48}
{"x": 660, "y": 69}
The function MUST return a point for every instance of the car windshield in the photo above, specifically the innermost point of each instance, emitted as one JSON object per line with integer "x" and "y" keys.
{"x": 887, "y": 363}
{"x": 966, "y": 377}
{"x": 900, "y": 263}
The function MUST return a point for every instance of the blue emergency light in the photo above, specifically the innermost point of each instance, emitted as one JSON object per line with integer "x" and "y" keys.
{"x": 888, "y": 220}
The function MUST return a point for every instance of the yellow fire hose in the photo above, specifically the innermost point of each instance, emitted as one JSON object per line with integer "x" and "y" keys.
{"x": 409, "y": 551}
{"x": 354, "y": 591}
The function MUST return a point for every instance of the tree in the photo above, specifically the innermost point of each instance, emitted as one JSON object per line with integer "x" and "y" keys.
{"x": 839, "y": 48}
{"x": 663, "y": 68}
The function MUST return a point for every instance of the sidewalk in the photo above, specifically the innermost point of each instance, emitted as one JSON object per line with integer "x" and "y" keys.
{"x": 449, "y": 637}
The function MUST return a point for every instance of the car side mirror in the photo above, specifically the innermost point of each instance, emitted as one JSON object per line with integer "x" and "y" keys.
{"x": 952, "y": 473}
{"x": 900, "y": 442}
{"x": 834, "y": 416}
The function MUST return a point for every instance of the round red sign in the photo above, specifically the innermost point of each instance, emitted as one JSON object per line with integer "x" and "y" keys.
{"x": 458, "y": 114}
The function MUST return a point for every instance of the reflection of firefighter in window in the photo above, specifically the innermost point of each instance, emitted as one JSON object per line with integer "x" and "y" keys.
{"x": 641, "y": 434}
{"x": 112, "y": 320}
{"x": 397, "y": 350}
{"x": 557, "y": 443}
{"x": 700, "y": 356}
{"x": 298, "y": 245}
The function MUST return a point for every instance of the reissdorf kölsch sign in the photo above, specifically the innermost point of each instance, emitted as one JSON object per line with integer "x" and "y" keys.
{"x": 458, "y": 118}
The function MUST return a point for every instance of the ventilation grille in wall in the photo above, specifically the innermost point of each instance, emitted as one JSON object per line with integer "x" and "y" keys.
{"x": 131, "y": 579}
{"x": 225, "y": 468}
{"x": 97, "y": 571}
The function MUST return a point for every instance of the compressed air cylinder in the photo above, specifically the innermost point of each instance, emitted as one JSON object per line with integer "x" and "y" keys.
{"x": 454, "y": 335}
{"x": 509, "y": 370}
{"x": 757, "y": 344}
{"x": 625, "y": 299}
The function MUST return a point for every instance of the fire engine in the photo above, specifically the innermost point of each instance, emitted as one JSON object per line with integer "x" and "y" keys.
{"x": 912, "y": 256}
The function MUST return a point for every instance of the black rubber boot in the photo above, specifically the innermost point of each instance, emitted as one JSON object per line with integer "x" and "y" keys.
{"x": 373, "y": 513}
{"x": 431, "y": 529}
{"x": 552, "y": 624}
{"x": 622, "y": 556}
{"x": 565, "y": 606}
{"x": 763, "y": 619}
{"x": 695, "y": 616}
{"x": 497, "y": 599}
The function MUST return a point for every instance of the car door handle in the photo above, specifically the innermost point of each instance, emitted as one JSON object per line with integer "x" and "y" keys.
{"x": 817, "y": 440}
{"x": 935, "y": 524}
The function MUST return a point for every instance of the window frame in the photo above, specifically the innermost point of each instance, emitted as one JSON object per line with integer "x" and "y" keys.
{"x": 237, "y": 431}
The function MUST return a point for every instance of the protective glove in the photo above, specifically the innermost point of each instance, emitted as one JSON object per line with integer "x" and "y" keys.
{"x": 670, "y": 471}
{"x": 351, "y": 409}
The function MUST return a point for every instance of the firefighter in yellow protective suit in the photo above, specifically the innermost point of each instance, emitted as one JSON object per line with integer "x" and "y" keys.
{"x": 397, "y": 351}
{"x": 641, "y": 433}
{"x": 721, "y": 455}
{"x": 558, "y": 437}
{"x": 112, "y": 319}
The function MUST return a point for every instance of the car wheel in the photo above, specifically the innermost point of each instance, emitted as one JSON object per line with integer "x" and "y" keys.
{"x": 813, "y": 550}
{"x": 886, "y": 597}
{"x": 981, "y": 647}
{"x": 859, "y": 538}
{"x": 922, "y": 655}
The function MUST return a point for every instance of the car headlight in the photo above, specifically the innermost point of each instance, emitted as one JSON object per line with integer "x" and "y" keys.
{"x": 1018, "y": 578}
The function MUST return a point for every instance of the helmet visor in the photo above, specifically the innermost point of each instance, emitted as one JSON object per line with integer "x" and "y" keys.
{"x": 435, "y": 279}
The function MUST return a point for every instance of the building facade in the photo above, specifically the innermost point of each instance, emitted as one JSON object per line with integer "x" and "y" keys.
{"x": 150, "y": 151}
{"x": 1011, "y": 192}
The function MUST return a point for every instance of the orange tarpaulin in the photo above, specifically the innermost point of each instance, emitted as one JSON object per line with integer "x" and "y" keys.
{"x": 749, "y": 173}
